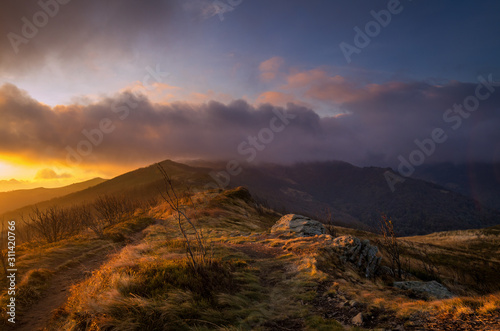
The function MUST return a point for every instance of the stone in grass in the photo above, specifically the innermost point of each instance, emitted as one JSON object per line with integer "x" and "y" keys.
{"x": 432, "y": 288}
{"x": 358, "y": 319}
{"x": 298, "y": 225}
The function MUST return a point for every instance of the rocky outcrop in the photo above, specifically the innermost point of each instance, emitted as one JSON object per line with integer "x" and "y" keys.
{"x": 359, "y": 252}
{"x": 298, "y": 225}
{"x": 432, "y": 288}
{"x": 358, "y": 319}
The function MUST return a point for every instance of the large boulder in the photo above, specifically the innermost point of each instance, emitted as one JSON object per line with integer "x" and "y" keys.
{"x": 298, "y": 225}
{"x": 359, "y": 252}
{"x": 432, "y": 288}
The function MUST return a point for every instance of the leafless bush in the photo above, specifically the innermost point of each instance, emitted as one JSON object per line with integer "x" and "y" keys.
{"x": 113, "y": 209}
{"x": 390, "y": 244}
{"x": 329, "y": 223}
{"x": 24, "y": 232}
{"x": 196, "y": 249}
{"x": 108, "y": 208}
{"x": 430, "y": 267}
{"x": 81, "y": 218}
{"x": 150, "y": 202}
{"x": 50, "y": 224}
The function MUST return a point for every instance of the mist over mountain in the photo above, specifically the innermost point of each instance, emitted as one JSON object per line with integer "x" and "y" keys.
{"x": 479, "y": 181}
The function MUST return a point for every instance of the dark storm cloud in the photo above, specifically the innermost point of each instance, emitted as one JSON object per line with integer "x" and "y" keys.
{"x": 76, "y": 29}
{"x": 381, "y": 123}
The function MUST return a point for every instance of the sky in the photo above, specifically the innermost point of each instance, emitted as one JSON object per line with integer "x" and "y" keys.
{"x": 100, "y": 87}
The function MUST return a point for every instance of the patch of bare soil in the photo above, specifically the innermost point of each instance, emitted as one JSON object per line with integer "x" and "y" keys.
{"x": 269, "y": 267}
{"x": 39, "y": 314}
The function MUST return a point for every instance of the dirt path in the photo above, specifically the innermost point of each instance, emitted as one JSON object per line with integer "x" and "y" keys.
{"x": 270, "y": 274}
{"x": 38, "y": 315}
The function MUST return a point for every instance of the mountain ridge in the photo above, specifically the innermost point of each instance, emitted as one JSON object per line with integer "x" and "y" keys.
{"x": 356, "y": 196}
{"x": 12, "y": 200}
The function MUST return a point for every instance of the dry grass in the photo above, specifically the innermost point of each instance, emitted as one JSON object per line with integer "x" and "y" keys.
{"x": 150, "y": 286}
{"x": 258, "y": 281}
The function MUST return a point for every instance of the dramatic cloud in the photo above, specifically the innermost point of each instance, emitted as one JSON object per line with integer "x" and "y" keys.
{"x": 380, "y": 123}
{"x": 82, "y": 32}
{"x": 50, "y": 174}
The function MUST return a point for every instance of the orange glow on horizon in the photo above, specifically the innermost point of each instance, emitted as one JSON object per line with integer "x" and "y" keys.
{"x": 17, "y": 172}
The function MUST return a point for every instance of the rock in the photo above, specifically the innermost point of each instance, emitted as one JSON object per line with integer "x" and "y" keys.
{"x": 361, "y": 253}
{"x": 353, "y": 303}
{"x": 431, "y": 288}
{"x": 358, "y": 319}
{"x": 299, "y": 225}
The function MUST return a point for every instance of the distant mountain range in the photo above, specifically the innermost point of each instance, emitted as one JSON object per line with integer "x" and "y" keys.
{"x": 480, "y": 181}
{"x": 356, "y": 196}
{"x": 19, "y": 198}
{"x": 359, "y": 196}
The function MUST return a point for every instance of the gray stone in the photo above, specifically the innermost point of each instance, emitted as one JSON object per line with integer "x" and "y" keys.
{"x": 298, "y": 225}
{"x": 358, "y": 319}
{"x": 431, "y": 288}
{"x": 361, "y": 253}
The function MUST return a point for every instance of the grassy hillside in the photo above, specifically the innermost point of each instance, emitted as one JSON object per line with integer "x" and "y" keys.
{"x": 359, "y": 195}
{"x": 140, "y": 183}
{"x": 252, "y": 280}
{"x": 356, "y": 196}
{"x": 16, "y": 199}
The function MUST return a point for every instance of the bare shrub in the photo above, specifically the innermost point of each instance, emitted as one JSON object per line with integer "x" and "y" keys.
{"x": 108, "y": 208}
{"x": 329, "y": 223}
{"x": 390, "y": 244}
{"x": 50, "y": 224}
{"x": 197, "y": 253}
{"x": 24, "y": 231}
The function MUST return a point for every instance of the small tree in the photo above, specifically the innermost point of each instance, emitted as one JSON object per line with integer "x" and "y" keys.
{"x": 195, "y": 250}
{"x": 329, "y": 223}
{"x": 50, "y": 224}
{"x": 108, "y": 208}
{"x": 391, "y": 244}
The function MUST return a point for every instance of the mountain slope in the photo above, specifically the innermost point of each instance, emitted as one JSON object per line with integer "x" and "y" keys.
{"x": 137, "y": 184}
{"x": 479, "y": 181}
{"x": 357, "y": 196}
{"x": 360, "y": 195}
{"x": 19, "y": 198}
